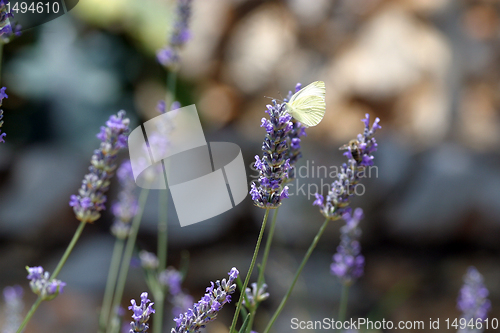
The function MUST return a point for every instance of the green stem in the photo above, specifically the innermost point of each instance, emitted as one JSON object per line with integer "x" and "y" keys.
{"x": 59, "y": 266}
{"x": 70, "y": 247}
{"x": 343, "y": 302}
{"x": 252, "y": 264}
{"x": 260, "y": 279}
{"x": 111, "y": 284}
{"x": 127, "y": 255}
{"x": 297, "y": 274}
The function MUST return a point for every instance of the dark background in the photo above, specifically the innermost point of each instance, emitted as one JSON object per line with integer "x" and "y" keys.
{"x": 428, "y": 68}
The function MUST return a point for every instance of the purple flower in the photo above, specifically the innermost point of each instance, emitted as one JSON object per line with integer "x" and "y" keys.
{"x": 169, "y": 56}
{"x": 359, "y": 154}
{"x": 13, "y": 297}
{"x": 275, "y": 164}
{"x": 206, "y": 310}
{"x": 126, "y": 207}
{"x": 42, "y": 285}
{"x": 472, "y": 299}
{"x": 141, "y": 314}
{"x": 90, "y": 199}
{"x": 348, "y": 263}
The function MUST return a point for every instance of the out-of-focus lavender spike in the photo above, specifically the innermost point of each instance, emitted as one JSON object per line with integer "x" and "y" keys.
{"x": 14, "y": 305}
{"x": 169, "y": 56}
{"x": 126, "y": 207}
{"x": 348, "y": 263}
{"x": 472, "y": 300}
{"x": 360, "y": 156}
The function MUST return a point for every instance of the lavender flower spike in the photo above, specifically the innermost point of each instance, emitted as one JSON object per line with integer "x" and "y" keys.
{"x": 126, "y": 207}
{"x": 13, "y": 308}
{"x": 274, "y": 165}
{"x": 348, "y": 263}
{"x": 2, "y": 96}
{"x": 41, "y": 284}
{"x": 359, "y": 154}
{"x": 141, "y": 314}
{"x": 208, "y": 307}
{"x": 472, "y": 299}
{"x": 91, "y": 195}
{"x": 169, "y": 56}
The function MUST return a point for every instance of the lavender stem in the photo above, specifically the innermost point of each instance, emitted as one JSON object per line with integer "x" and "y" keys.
{"x": 129, "y": 249}
{"x": 111, "y": 284}
{"x": 260, "y": 279}
{"x": 61, "y": 263}
{"x": 247, "y": 279}
{"x": 343, "y": 302}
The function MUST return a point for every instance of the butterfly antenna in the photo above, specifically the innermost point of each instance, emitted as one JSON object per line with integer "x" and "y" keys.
{"x": 274, "y": 98}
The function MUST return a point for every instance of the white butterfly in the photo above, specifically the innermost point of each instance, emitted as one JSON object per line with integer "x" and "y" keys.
{"x": 308, "y": 104}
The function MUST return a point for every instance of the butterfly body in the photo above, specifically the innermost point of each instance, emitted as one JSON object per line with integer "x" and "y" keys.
{"x": 308, "y": 104}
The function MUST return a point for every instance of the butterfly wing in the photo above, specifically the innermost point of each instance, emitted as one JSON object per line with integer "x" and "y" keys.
{"x": 308, "y": 105}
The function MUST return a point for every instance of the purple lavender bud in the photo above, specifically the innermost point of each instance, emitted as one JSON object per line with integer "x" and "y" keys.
{"x": 13, "y": 297}
{"x": 169, "y": 56}
{"x": 359, "y": 154}
{"x": 206, "y": 310}
{"x": 275, "y": 164}
{"x": 42, "y": 285}
{"x": 126, "y": 207}
{"x": 141, "y": 314}
{"x": 90, "y": 199}
{"x": 348, "y": 263}
{"x": 472, "y": 299}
